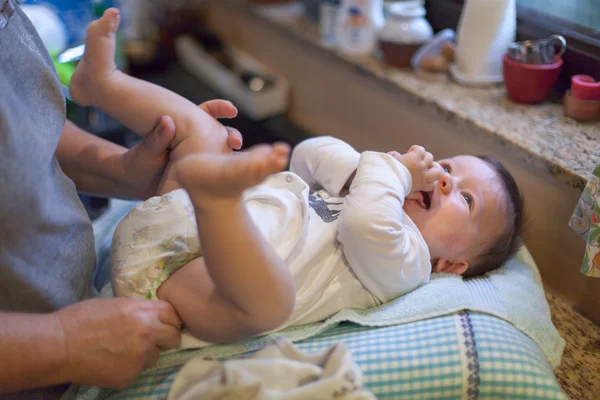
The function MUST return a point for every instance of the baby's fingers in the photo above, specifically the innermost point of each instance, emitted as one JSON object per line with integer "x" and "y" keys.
{"x": 419, "y": 150}
{"x": 428, "y": 160}
{"x": 395, "y": 154}
{"x": 428, "y": 187}
{"x": 434, "y": 173}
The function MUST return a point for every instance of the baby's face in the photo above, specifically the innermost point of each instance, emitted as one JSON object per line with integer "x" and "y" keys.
{"x": 465, "y": 211}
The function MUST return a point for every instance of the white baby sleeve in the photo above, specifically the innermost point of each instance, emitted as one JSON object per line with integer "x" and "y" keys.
{"x": 382, "y": 245}
{"x": 324, "y": 161}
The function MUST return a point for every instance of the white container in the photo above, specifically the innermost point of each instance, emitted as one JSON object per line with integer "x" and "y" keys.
{"x": 485, "y": 30}
{"x": 257, "y": 105}
{"x": 328, "y": 16}
{"x": 406, "y": 24}
{"x": 358, "y": 26}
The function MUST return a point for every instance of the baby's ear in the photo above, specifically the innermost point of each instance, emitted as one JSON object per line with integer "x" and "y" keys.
{"x": 450, "y": 267}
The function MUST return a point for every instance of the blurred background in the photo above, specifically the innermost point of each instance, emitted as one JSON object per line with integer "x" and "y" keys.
{"x": 147, "y": 50}
{"x": 187, "y": 46}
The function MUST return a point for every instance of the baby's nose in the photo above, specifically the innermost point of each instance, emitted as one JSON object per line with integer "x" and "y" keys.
{"x": 445, "y": 183}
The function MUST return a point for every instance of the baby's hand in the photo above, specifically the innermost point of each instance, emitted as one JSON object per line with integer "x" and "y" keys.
{"x": 423, "y": 169}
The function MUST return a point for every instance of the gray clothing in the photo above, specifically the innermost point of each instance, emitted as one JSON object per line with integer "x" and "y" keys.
{"x": 46, "y": 241}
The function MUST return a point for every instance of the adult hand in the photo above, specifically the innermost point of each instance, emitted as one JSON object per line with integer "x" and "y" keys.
{"x": 145, "y": 163}
{"x": 109, "y": 341}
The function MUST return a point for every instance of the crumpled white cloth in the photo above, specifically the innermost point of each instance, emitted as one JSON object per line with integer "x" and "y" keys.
{"x": 279, "y": 371}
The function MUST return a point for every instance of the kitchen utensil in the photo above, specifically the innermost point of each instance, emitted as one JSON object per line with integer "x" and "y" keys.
{"x": 543, "y": 51}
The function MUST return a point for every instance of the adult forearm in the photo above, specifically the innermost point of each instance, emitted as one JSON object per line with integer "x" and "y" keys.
{"x": 32, "y": 351}
{"x": 94, "y": 164}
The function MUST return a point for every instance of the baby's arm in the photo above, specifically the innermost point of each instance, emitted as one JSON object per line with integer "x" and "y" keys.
{"x": 385, "y": 250}
{"x": 139, "y": 104}
{"x": 326, "y": 162}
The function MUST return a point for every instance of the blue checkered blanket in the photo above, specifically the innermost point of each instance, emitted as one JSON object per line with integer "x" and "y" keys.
{"x": 461, "y": 356}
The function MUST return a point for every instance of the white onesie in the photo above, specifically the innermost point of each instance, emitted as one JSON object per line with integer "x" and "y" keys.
{"x": 352, "y": 251}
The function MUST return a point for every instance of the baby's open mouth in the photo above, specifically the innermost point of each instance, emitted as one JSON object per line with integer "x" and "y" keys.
{"x": 422, "y": 198}
{"x": 426, "y": 200}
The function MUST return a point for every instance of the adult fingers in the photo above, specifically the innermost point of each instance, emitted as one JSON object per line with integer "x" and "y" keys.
{"x": 234, "y": 138}
{"x": 166, "y": 337}
{"x": 152, "y": 357}
{"x": 219, "y": 109}
{"x": 159, "y": 139}
{"x": 167, "y": 314}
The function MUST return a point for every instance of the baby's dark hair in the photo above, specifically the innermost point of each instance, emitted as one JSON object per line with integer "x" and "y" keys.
{"x": 509, "y": 241}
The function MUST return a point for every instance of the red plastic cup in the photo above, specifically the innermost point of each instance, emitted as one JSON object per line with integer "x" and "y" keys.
{"x": 530, "y": 83}
{"x": 585, "y": 88}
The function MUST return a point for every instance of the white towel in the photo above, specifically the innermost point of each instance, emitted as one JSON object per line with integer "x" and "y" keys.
{"x": 278, "y": 372}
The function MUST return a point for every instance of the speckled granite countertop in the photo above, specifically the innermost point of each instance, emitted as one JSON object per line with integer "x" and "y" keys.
{"x": 541, "y": 134}
{"x": 579, "y": 371}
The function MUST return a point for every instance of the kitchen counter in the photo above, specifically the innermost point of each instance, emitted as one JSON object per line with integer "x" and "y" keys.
{"x": 579, "y": 369}
{"x": 540, "y": 135}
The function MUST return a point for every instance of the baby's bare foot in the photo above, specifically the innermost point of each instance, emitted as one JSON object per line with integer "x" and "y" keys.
{"x": 212, "y": 177}
{"x": 98, "y": 62}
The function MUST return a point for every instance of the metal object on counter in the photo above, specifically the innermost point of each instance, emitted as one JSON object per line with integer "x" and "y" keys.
{"x": 538, "y": 52}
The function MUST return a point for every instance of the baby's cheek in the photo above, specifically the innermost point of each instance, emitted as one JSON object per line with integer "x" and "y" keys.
{"x": 456, "y": 242}
{"x": 449, "y": 241}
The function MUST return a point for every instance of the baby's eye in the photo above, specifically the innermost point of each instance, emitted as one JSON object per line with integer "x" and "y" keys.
{"x": 469, "y": 200}
{"x": 446, "y": 168}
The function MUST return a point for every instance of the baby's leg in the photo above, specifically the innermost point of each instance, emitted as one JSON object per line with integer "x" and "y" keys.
{"x": 241, "y": 286}
{"x": 138, "y": 104}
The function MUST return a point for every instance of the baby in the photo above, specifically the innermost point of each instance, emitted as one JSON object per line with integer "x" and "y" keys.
{"x": 340, "y": 230}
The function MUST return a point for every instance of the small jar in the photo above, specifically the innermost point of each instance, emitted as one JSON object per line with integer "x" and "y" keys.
{"x": 404, "y": 32}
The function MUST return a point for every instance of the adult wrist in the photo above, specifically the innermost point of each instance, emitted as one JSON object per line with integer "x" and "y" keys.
{"x": 60, "y": 371}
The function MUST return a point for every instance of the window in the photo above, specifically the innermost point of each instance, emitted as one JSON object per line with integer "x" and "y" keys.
{"x": 577, "y": 20}
{"x": 585, "y": 13}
